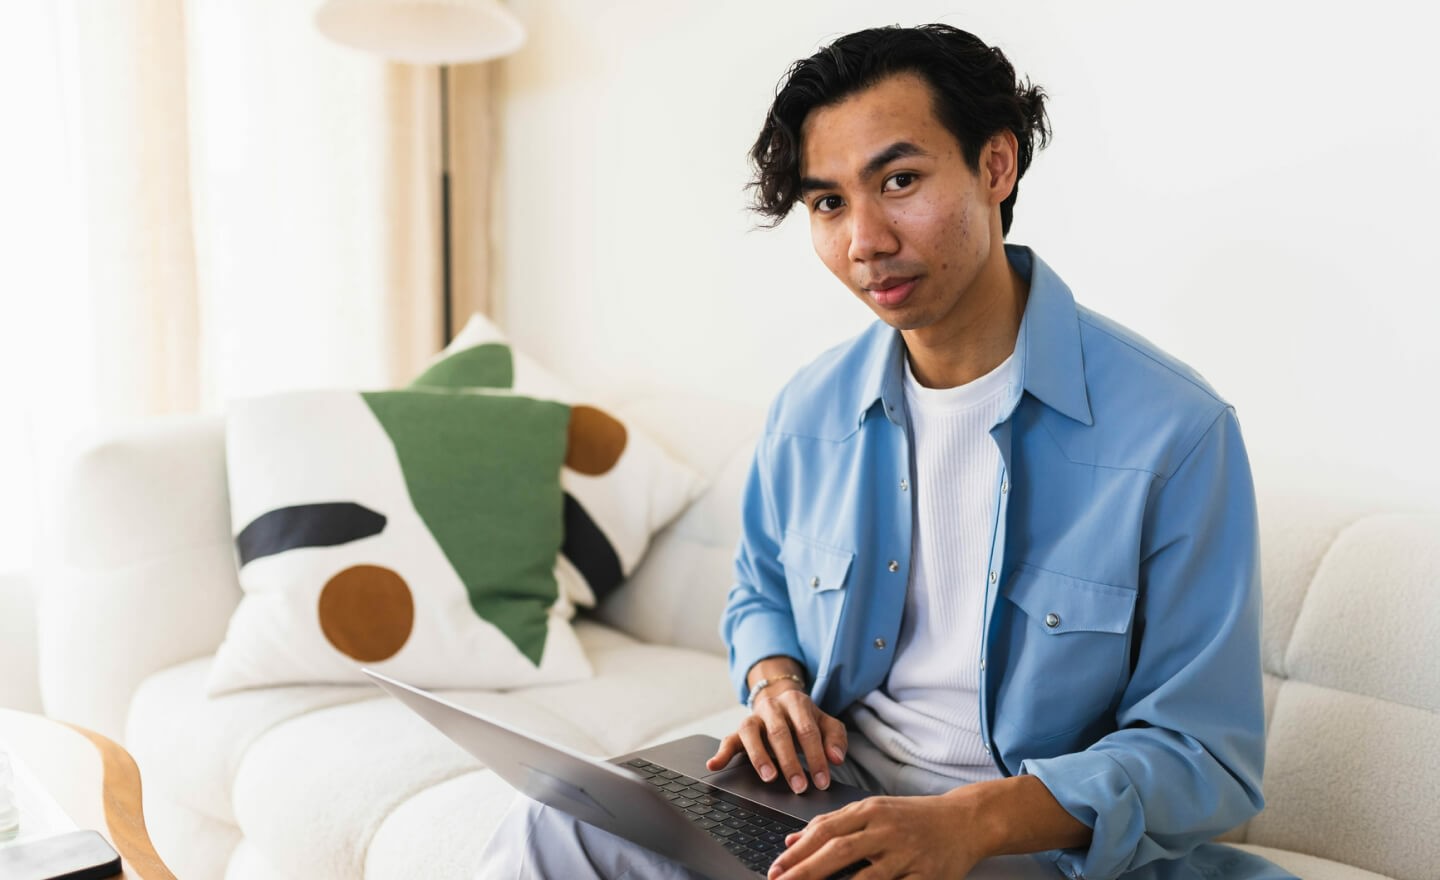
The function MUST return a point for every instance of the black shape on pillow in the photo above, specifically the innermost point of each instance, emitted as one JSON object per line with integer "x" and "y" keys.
{"x": 307, "y": 525}
{"x": 589, "y": 550}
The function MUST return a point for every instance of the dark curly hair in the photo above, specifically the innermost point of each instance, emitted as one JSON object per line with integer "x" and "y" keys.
{"x": 975, "y": 96}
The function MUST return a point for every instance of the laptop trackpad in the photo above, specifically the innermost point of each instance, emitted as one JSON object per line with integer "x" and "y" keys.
{"x": 741, "y": 779}
{"x": 688, "y": 755}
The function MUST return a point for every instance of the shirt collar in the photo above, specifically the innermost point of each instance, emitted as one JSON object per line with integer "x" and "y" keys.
{"x": 1052, "y": 362}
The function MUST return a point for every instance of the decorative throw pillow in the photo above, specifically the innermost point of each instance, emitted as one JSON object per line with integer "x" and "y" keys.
{"x": 413, "y": 531}
{"x": 620, "y": 486}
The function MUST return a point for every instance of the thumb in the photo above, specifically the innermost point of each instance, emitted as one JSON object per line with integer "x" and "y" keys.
{"x": 728, "y": 747}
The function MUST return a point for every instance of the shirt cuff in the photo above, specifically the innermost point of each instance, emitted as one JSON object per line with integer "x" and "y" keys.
{"x": 1079, "y": 781}
{"x": 756, "y": 636}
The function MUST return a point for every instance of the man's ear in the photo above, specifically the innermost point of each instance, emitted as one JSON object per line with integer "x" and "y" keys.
{"x": 1000, "y": 161}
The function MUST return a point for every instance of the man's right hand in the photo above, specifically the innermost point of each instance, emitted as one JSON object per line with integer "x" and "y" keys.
{"x": 783, "y": 716}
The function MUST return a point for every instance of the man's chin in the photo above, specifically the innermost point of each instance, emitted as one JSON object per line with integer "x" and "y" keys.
{"x": 900, "y": 319}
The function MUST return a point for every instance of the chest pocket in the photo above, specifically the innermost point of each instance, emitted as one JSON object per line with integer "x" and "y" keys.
{"x": 815, "y": 577}
{"x": 1067, "y": 653}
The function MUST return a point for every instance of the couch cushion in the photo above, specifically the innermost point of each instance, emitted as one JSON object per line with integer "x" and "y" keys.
{"x": 1371, "y": 621}
{"x": 1352, "y": 778}
{"x": 312, "y": 792}
{"x": 1352, "y": 688}
{"x": 698, "y": 551}
{"x": 415, "y": 532}
{"x": 440, "y": 832}
{"x": 620, "y": 486}
{"x": 1310, "y": 867}
{"x": 188, "y": 746}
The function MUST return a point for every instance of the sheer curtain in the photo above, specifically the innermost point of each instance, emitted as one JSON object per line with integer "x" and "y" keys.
{"x": 203, "y": 200}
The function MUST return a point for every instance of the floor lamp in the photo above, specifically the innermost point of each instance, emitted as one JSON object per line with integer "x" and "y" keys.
{"x": 438, "y": 32}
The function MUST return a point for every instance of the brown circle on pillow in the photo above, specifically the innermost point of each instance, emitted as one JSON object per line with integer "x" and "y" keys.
{"x": 367, "y": 613}
{"x": 597, "y": 439}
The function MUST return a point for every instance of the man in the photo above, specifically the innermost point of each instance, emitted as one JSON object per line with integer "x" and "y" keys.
{"x": 999, "y": 555}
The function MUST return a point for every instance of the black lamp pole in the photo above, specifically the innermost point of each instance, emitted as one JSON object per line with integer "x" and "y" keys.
{"x": 446, "y": 295}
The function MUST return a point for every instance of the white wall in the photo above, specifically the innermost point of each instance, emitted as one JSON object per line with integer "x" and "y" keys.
{"x": 1250, "y": 185}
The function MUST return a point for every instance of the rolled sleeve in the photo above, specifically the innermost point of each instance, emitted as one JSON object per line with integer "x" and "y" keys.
{"x": 1185, "y": 764}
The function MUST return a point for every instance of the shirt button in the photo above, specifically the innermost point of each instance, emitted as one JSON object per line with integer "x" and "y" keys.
{"x": 904, "y": 485}
{"x": 1052, "y": 620}
{"x": 814, "y": 582}
{"x": 1004, "y": 487}
{"x": 987, "y": 748}
{"x": 893, "y": 566}
{"x": 880, "y": 644}
{"x": 982, "y": 664}
{"x": 993, "y": 577}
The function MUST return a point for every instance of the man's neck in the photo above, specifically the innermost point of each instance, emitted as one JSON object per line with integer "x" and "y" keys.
{"x": 977, "y": 337}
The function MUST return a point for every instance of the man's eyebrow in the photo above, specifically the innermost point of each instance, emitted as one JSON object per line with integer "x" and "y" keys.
{"x": 897, "y": 150}
{"x": 811, "y": 184}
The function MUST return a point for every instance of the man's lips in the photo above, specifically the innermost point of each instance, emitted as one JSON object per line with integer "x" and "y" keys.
{"x": 891, "y": 292}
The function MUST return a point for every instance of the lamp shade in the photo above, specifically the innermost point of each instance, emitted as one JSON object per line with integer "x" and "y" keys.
{"x": 423, "y": 31}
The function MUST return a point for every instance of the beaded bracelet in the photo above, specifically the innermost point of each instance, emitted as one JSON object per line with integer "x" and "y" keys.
{"x": 763, "y": 683}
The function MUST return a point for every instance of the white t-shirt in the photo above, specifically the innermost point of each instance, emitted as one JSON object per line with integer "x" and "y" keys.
{"x": 927, "y": 713}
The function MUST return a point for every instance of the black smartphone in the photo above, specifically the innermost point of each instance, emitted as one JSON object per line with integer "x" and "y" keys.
{"x": 75, "y": 855}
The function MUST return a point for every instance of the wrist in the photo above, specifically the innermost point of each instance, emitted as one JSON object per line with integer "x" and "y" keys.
{"x": 984, "y": 828}
{"x": 1015, "y": 815}
{"x": 773, "y": 668}
{"x": 774, "y": 685}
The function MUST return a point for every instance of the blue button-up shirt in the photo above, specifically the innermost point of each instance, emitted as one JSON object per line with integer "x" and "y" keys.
{"x": 1121, "y": 651}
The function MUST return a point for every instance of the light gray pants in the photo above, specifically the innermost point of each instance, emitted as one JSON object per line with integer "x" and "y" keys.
{"x": 535, "y": 842}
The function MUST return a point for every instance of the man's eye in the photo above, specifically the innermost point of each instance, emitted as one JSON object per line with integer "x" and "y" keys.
{"x": 899, "y": 181}
{"x": 826, "y": 204}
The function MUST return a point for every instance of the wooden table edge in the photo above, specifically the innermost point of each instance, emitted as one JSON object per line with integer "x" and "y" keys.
{"x": 124, "y": 813}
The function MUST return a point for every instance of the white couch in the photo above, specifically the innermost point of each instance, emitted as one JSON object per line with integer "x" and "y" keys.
{"x": 340, "y": 782}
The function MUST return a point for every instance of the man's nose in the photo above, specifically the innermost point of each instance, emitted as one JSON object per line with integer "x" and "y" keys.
{"x": 871, "y": 232}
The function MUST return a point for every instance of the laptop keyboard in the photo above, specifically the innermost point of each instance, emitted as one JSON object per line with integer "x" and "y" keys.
{"x": 753, "y": 837}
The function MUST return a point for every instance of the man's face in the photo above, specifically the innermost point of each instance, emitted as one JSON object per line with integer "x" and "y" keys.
{"x": 895, "y": 212}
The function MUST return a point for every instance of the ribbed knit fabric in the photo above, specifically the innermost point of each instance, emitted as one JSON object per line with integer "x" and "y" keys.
{"x": 927, "y": 713}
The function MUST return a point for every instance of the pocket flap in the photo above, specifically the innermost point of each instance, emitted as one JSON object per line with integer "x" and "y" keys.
{"x": 818, "y": 567}
{"x": 1059, "y": 603}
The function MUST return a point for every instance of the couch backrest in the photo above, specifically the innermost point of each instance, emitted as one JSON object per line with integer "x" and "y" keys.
{"x": 676, "y": 594}
{"x": 1352, "y": 623}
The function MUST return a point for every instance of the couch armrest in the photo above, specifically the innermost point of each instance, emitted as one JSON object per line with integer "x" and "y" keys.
{"x": 139, "y": 571}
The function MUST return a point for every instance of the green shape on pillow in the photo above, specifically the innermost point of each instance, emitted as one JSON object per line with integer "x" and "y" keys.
{"x": 483, "y": 471}
{"x": 490, "y": 365}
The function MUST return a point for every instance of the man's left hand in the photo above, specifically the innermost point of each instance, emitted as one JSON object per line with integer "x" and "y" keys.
{"x": 898, "y": 836}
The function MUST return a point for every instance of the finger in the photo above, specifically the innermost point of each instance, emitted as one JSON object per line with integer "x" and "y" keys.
{"x": 836, "y": 855}
{"x": 754, "y": 741}
{"x": 801, "y": 713}
{"x": 831, "y": 857}
{"x": 781, "y": 740}
{"x": 837, "y": 738}
{"x": 730, "y": 746}
{"x": 821, "y": 830}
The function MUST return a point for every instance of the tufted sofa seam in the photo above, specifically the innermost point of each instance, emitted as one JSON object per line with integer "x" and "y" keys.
{"x": 1284, "y": 674}
{"x": 235, "y": 767}
{"x": 374, "y": 829}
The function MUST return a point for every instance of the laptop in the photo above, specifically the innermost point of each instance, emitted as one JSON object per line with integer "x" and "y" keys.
{"x": 724, "y": 824}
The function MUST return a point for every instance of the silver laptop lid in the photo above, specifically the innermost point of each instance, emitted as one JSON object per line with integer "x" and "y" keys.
{"x": 591, "y": 790}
